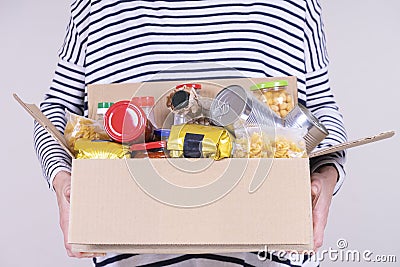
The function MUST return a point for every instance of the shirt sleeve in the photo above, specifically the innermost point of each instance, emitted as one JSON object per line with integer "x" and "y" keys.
{"x": 66, "y": 92}
{"x": 319, "y": 97}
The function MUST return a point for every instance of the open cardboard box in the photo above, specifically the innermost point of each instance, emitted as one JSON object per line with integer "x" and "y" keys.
{"x": 111, "y": 211}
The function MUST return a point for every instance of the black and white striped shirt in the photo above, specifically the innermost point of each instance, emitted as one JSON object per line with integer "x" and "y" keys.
{"x": 124, "y": 41}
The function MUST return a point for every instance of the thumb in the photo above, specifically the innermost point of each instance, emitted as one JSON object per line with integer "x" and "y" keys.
{"x": 67, "y": 193}
{"x": 314, "y": 189}
{"x": 315, "y": 192}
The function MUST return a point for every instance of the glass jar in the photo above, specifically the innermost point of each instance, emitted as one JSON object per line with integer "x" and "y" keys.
{"x": 189, "y": 86}
{"x": 102, "y": 108}
{"x": 276, "y": 95}
{"x": 180, "y": 106}
{"x": 145, "y": 102}
{"x": 152, "y": 150}
{"x": 126, "y": 122}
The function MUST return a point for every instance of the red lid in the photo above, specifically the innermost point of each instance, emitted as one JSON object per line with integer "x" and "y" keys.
{"x": 125, "y": 121}
{"x": 143, "y": 101}
{"x": 148, "y": 146}
{"x": 196, "y": 86}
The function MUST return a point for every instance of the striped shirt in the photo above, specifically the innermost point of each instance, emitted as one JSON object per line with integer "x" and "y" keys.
{"x": 135, "y": 41}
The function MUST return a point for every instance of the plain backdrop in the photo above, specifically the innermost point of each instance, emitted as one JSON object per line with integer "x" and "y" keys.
{"x": 363, "y": 43}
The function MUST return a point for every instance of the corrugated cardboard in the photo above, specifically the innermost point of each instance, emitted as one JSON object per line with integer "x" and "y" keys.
{"x": 110, "y": 211}
{"x": 353, "y": 143}
{"x": 118, "y": 212}
{"x": 35, "y": 112}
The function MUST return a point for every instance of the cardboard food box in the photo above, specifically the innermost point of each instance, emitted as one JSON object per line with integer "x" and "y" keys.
{"x": 187, "y": 205}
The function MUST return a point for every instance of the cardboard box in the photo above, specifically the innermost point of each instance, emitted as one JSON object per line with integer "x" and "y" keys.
{"x": 124, "y": 205}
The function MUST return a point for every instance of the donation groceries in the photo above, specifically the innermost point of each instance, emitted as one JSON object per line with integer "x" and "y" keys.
{"x": 234, "y": 124}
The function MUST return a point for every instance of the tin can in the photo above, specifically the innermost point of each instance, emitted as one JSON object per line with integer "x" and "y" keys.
{"x": 234, "y": 107}
{"x": 301, "y": 117}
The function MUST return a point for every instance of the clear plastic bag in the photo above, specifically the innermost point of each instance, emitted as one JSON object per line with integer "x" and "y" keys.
{"x": 253, "y": 142}
{"x": 80, "y": 127}
{"x": 267, "y": 142}
{"x": 289, "y": 143}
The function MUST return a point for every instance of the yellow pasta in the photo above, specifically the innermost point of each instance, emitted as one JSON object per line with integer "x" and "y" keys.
{"x": 285, "y": 148}
{"x": 80, "y": 127}
{"x": 258, "y": 146}
{"x": 254, "y": 147}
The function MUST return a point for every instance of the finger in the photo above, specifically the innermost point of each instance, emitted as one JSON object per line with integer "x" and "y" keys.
{"x": 76, "y": 254}
{"x": 92, "y": 254}
{"x": 320, "y": 216}
{"x": 67, "y": 194}
{"x": 315, "y": 192}
{"x": 319, "y": 223}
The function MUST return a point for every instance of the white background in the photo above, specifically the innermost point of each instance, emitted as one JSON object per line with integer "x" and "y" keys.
{"x": 363, "y": 43}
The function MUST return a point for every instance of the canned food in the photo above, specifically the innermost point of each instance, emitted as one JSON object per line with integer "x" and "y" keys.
{"x": 234, "y": 107}
{"x": 276, "y": 96}
{"x": 301, "y": 117}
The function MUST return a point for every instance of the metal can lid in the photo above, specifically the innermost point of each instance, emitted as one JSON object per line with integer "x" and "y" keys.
{"x": 162, "y": 132}
{"x": 230, "y": 104}
{"x": 196, "y": 86}
{"x": 125, "y": 121}
{"x": 148, "y": 146}
{"x": 143, "y": 101}
{"x": 314, "y": 120}
{"x": 273, "y": 84}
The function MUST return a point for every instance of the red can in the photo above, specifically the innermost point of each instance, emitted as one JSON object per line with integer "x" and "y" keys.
{"x": 126, "y": 122}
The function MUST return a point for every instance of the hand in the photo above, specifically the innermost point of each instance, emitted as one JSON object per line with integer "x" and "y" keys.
{"x": 62, "y": 186}
{"x": 323, "y": 182}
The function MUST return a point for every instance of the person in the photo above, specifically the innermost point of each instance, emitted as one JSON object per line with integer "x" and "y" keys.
{"x": 130, "y": 41}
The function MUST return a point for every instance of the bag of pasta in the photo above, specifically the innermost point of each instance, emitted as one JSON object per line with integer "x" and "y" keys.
{"x": 80, "y": 127}
{"x": 253, "y": 142}
{"x": 289, "y": 143}
{"x": 267, "y": 142}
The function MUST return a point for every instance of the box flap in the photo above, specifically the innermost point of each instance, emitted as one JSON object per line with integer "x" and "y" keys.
{"x": 354, "y": 143}
{"x": 35, "y": 112}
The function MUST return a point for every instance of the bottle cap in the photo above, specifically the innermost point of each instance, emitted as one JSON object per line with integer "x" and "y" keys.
{"x": 269, "y": 85}
{"x": 125, "y": 122}
{"x": 143, "y": 101}
{"x": 162, "y": 132}
{"x": 104, "y": 104}
{"x": 196, "y": 86}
